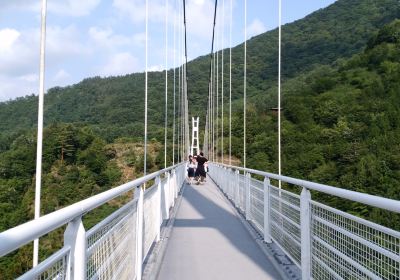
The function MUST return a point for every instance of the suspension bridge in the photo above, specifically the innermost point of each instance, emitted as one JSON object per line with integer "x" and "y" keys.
{"x": 240, "y": 224}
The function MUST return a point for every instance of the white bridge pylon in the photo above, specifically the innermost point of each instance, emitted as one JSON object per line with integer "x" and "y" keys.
{"x": 195, "y": 147}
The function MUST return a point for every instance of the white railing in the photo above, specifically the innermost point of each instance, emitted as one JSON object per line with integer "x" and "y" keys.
{"x": 325, "y": 243}
{"x": 113, "y": 249}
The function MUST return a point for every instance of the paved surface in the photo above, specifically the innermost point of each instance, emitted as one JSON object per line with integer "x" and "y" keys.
{"x": 208, "y": 241}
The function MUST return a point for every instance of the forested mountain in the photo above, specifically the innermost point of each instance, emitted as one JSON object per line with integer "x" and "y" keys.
{"x": 115, "y": 104}
{"x": 340, "y": 126}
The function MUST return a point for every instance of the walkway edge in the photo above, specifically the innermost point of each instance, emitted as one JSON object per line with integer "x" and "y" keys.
{"x": 285, "y": 271}
{"x": 152, "y": 266}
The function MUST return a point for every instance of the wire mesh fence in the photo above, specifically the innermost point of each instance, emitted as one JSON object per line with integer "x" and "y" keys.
{"x": 348, "y": 247}
{"x": 341, "y": 245}
{"x": 109, "y": 250}
{"x": 53, "y": 268}
{"x": 111, "y": 246}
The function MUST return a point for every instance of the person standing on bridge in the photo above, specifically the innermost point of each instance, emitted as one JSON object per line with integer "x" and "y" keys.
{"x": 201, "y": 160}
{"x": 191, "y": 167}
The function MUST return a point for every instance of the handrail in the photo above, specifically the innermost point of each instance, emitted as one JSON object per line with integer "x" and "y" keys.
{"x": 312, "y": 233}
{"x": 368, "y": 199}
{"x": 18, "y": 236}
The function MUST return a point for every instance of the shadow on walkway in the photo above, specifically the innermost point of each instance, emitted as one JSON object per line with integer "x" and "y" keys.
{"x": 209, "y": 230}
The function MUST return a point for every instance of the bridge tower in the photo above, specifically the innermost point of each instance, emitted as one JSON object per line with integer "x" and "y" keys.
{"x": 195, "y": 147}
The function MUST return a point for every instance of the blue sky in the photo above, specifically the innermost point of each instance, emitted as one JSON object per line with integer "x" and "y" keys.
{"x": 106, "y": 37}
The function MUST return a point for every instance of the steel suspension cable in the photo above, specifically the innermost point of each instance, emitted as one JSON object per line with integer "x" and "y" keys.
{"x": 39, "y": 143}
{"x": 214, "y": 110}
{"x": 279, "y": 89}
{"x": 222, "y": 81}
{"x": 183, "y": 140}
{"x": 230, "y": 86}
{"x": 145, "y": 91}
{"x": 166, "y": 84}
{"x": 174, "y": 115}
{"x": 211, "y": 83}
{"x": 186, "y": 84}
{"x": 245, "y": 83}
{"x": 179, "y": 86}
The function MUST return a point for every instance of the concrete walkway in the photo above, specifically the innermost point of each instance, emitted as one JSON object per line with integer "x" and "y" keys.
{"x": 208, "y": 241}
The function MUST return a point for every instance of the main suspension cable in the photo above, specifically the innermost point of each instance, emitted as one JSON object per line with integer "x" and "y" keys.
{"x": 211, "y": 85}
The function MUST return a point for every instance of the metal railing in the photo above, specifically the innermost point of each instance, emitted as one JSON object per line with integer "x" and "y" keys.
{"x": 325, "y": 243}
{"x": 116, "y": 247}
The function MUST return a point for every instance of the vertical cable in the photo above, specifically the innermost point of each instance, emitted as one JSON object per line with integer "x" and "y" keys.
{"x": 217, "y": 97}
{"x": 222, "y": 81}
{"x": 212, "y": 87}
{"x": 174, "y": 115}
{"x": 166, "y": 83}
{"x": 183, "y": 96}
{"x": 279, "y": 91}
{"x": 185, "y": 83}
{"x": 212, "y": 109}
{"x": 39, "y": 143}
{"x": 145, "y": 93}
{"x": 245, "y": 83}
{"x": 214, "y": 119}
{"x": 179, "y": 85}
{"x": 230, "y": 86}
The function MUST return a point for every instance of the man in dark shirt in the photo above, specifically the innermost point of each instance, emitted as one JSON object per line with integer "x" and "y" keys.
{"x": 201, "y": 160}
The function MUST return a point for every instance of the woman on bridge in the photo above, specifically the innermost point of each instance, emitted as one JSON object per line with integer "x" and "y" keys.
{"x": 200, "y": 171}
{"x": 191, "y": 168}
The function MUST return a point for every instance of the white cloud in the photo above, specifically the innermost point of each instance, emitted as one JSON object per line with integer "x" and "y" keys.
{"x": 120, "y": 64}
{"x": 255, "y": 28}
{"x": 136, "y": 10}
{"x": 20, "y": 4}
{"x": 12, "y": 87}
{"x": 8, "y": 37}
{"x": 18, "y": 52}
{"x": 65, "y": 42}
{"x": 29, "y": 78}
{"x": 106, "y": 38}
{"x": 75, "y": 8}
{"x": 61, "y": 77}
{"x": 156, "y": 68}
{"x": 19, "y": 57}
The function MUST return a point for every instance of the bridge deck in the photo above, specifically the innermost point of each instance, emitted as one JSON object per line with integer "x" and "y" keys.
{"x": 208, "y": 241}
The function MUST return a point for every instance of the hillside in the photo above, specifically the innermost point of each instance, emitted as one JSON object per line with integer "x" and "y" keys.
{"x": 114, "y": 106}
{"x": 340, "y": 126}
{"x": 77, "y": 164}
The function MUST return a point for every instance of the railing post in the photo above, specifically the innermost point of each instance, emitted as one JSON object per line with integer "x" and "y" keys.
{"x": 75, "y": 238}
{"x": 167, "y": 196}
{"x": 305, "y": 214}
{"x": 267, "y": 230}
{"x": 248, "y": 214}
{"x": 139, "y": 235}
{"x": 174, "y": 182}
{"x": 171, "y": 191}
{"x": 159, "y": 208}
{"x": 224, "y": 178}
{"x": 237, "y": 198}
{"x": 230, "y": 177}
